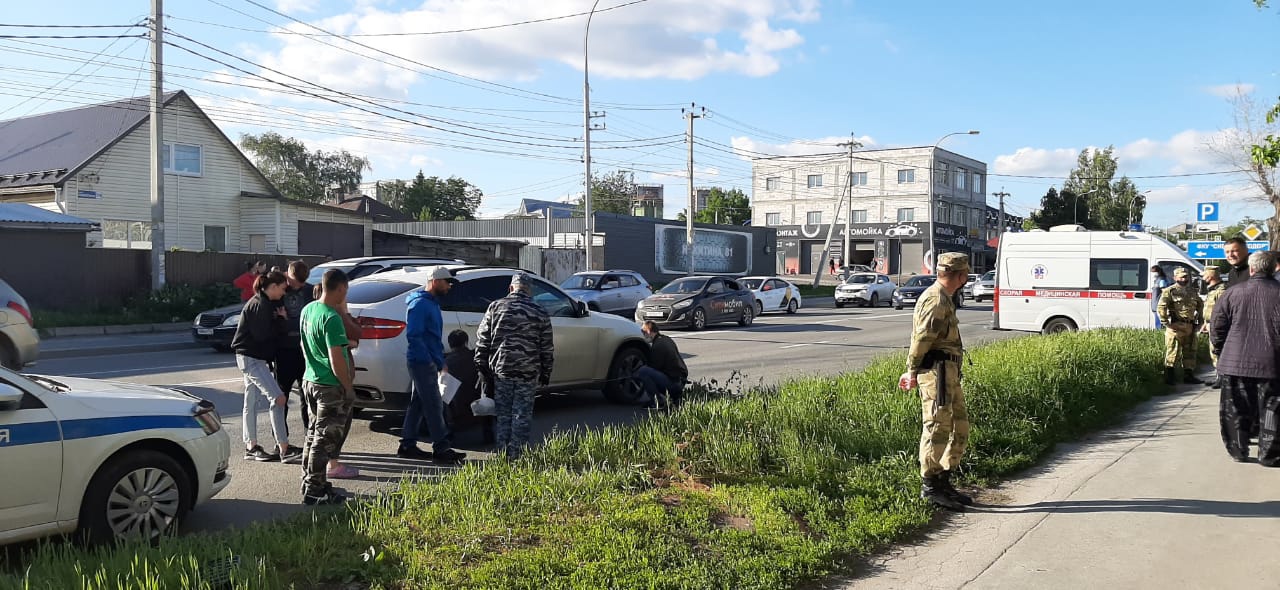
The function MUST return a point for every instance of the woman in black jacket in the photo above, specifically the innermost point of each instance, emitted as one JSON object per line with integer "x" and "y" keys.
{"x": 260, "y": 334}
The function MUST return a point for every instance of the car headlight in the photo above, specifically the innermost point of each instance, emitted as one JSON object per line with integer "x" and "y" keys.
{"x": 682, "y": 304}
{"x": 232, "y": 321}
{"x": 196, "y": 322}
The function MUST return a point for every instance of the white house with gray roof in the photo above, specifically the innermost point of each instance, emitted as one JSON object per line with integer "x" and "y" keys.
{"x": 94, "y": 163}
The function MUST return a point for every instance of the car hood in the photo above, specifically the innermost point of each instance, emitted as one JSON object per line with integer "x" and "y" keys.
{"x": 227, "y": 310}
{"x": 912, "y": 290}
{"x": 623, "y": 327}
{"x": 116, "y": 398}
{"x": 666, "y": 298}
{"x": 583, "y": 294}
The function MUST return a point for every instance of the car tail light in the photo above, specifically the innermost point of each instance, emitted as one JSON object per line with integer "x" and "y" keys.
{"x": 22, "y": 311}
{"x": 379, "y": 328}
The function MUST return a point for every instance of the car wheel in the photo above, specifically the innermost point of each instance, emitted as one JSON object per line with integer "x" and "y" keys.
{"x": 898, "y": 307}
{"x": 759, "y": 307}
{"x": 839, "y": 304}
{"x": 1058, "y": 326}
{"x": 699, "y": 321}
{"x": 792, "y": 307}
{"x": 9, "y": 356}
{"x": 622, "y": 388}
{"x": 138, "y": 495}
{"x": 748, "y": 315}
{"x": 875, "y": 300}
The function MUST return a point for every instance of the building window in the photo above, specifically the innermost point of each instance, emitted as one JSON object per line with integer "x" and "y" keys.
{"x": 860, "y": 178}
{"x": 215, "y": 238}
{"x": 976, "y": 220}
{"x": 773, "y": 183}
{"x": 257, "y": 242}
{"x": 977, "y": 182}
{"x": 184, "y": 159}
{"x": 814, "y": 218}
{"x": 118, "y": 233}
{"x": 959, "y": 216}
{"x": 773, "y": 219}
{"x": 962, "y": 177}
{"x": 941, "y": 211}
{"x": 906, "y": 215}
{"x": 860, "y": 216}
{"x": 905, "y": 176}
{"x": 942, "y": 174}
{"x": 815, "y": 180}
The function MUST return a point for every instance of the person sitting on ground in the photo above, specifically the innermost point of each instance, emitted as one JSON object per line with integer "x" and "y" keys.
{"x": 664, "y": 377}
{"x": 461, "y": 362}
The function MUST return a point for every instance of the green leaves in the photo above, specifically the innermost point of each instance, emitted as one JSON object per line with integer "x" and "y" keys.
{"x": 438, "y": 199}
{"x": 302, "y": 174}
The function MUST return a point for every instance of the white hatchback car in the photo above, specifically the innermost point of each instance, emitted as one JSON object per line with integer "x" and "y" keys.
{"x": 593, "y": 350}
{"x": 110, "y": 460}
{"x": 865, "y": 288}
{"x": 773, "y": 294}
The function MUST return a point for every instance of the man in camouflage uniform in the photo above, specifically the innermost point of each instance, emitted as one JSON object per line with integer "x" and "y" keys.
{"x": 514, "y": 349}
{"x": 1179, "y": 310}
{"x": 1216, "y": 289}
{"x": 933, "y": 364}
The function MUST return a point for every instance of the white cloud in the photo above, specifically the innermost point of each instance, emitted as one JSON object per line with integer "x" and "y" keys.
{"x": 682, "y": 175}
{"x": 1028, "y": 161}
{"x": 1230, "y": 90}
{"x": 296, "y": 6}
{"x": 1185, "y": 152}
{"x": 682, "y": 40}
{"x": 749, "y": 148}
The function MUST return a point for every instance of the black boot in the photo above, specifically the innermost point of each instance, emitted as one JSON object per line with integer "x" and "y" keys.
{"x": 944, "y": 479}
{"x": 931, "y": 490}
{"x": 1217, "y": 381}
{"x": 1169, "y": 378}
{"x": 1190, "y": 378}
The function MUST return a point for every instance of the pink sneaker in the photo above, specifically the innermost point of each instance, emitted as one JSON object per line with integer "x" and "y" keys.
{"x": 344, "y": 472}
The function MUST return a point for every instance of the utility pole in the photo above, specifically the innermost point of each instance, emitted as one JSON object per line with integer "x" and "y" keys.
{"x": 157, "y": 144}
{"x": 587, "y": 115}
{"x": 848, "y": 218}
{"x": 1002, "y": 195}
{"x": 691, "y": 113}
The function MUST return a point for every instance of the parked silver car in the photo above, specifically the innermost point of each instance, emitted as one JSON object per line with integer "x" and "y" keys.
{"x": 611, "y": 291}
{"x": 19, "y": 343}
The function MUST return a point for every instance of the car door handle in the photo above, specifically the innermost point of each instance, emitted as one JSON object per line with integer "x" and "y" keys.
{"x": 1140, "y": 295}
{"x": 471, "y": 324}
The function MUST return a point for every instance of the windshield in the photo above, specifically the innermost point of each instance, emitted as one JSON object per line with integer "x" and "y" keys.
{"x": 684, "y": 287}
{"x": 753, "y": 284}
{"x": 317, "y": 273}
{"x": 990, "y": 276}
{"x": 582, "y": 281}
{"x": 861, "y": 280}
{"x": 921, "y": 281}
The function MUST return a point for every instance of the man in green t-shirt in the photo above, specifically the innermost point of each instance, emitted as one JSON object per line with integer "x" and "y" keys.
{"x": 326, "y": 386}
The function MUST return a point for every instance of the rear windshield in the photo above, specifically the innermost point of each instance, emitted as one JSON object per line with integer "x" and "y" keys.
{"x": 372, "y": 291}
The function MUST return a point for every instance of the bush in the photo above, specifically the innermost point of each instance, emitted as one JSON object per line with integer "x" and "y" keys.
{"x": 767, "y": 488}
{"x": 172, "y": 303}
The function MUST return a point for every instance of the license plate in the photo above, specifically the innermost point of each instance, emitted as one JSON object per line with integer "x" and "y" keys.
{"x": 653, "y": 314}
{"x": 909, "y": 299}
{"x": 204, "y": 331}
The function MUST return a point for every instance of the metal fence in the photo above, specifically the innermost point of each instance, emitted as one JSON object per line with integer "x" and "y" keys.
{"x": 208, "y": 268}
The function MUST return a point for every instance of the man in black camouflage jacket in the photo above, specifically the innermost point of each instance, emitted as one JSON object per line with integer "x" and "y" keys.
{"x": 514, "y": 348}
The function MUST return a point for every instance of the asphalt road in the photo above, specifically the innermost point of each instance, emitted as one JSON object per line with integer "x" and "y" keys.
{"x": 817, "y": 341}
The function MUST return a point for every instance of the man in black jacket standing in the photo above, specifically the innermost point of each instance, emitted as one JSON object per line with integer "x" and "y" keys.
{"x": 663, "y": 378}
{"x": 1237, "y": 252}
{"x": 1245, "y": 333}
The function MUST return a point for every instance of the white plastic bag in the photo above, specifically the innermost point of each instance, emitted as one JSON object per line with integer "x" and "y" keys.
{"x": 484, "y": 406}
{"x": 448, "y": 387}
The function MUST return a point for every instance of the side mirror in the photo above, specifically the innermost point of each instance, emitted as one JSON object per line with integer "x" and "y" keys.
{"x": 10, "y": 397}
{"x": 581, "y": 308}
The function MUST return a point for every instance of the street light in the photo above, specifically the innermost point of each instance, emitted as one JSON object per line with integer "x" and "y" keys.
{"x": 586, "y": 137}
{"x": 933, "y": 210}
{"x": 1133, "y": 201}
{"x": 1075, "y": 207}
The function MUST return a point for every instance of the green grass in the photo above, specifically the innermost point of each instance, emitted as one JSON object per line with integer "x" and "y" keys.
{"x": 173, "y": 303}
{"x": 819, "y": 291}
{"x": 761, "y": 489}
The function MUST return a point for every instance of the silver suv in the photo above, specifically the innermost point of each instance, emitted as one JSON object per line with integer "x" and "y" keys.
{"x": 611, "y": 291}
{"x": 19, "y": 343}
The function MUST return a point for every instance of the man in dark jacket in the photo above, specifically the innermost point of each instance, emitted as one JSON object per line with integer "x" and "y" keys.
{"x": 1237, "y": 252}
{"x": 514, "y": 347}
{"x": 664, "y": 377}
{"x": 289, "y": 362}
{"x": 461, "y": 362}
{"x": 1245, "y": 333}
{"x": 426, "y": 364}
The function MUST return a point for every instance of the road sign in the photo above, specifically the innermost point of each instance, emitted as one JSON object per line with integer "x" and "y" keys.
{"x": 1205, "y": 228}
{"x": 1207, "y": 211}
{"x": 1205, "y": 250}
{"x": 1252, "y": 232}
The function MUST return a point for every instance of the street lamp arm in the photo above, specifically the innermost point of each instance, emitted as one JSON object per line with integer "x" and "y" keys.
{"x": 933, "y": 210}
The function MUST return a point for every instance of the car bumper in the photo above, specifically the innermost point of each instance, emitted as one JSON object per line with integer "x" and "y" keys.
{"x": 664, "y": 316}
{"x": 211, "y": 456}
{"x": 370, "y": 398}
{"x": 852, "y": 296}
{"x": 218, "y": 337}
{"x": 26, "y": 342}
{"x": 904, "y": 301}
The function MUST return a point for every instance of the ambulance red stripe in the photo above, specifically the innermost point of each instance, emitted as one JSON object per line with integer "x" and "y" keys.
{"x": 1069, "y": 294}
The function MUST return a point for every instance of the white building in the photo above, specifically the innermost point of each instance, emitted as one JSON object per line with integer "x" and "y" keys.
{"x": 801, "y": 195}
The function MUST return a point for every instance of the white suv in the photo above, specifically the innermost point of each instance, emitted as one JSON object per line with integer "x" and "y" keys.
{"x": 112, "y": 460}
{"x": 593, "y": 350}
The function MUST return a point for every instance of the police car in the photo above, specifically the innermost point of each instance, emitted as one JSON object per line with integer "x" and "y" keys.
{"x": 107, "y": 460}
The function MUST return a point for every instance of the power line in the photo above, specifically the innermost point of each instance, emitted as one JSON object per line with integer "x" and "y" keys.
{"x": 30, "y": 26}
{"x": 143, "y": 36}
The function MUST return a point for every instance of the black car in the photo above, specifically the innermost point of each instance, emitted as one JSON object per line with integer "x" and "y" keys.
{"x": 217, "y": 327}
{"x": 696, "y": 302}
{"x": 911, "y": 291}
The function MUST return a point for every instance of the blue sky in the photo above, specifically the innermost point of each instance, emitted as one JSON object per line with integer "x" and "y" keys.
{"x": 1041, "y": 80}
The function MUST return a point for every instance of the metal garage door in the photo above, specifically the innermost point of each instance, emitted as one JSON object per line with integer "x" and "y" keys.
{"x": 338, "y": 240}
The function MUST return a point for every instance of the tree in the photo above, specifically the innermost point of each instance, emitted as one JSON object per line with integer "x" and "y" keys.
{"x": 729, "y": 207}
{"x": 1237, "y": 149}
{"x": 610, "y": 193}
{"x": 300, "y": 173}
{"x": 1029, "y": 223}
{"x": 436, "y": 199}
{"x": 1266, "y": 151}
{"x": 1061, "y": 208}
{"x": 1113, "y": 205}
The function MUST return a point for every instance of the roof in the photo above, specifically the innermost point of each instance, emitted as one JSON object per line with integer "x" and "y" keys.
{"x": 531, "y": 207}
{"x": 22, "y": 215}
{"x": 306, "y": 204}
{"x": 46, "y": 149}
{"x": 381, "y": 212}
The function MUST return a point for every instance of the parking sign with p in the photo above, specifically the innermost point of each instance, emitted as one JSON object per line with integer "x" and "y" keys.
{"x": 1206, "y": 212}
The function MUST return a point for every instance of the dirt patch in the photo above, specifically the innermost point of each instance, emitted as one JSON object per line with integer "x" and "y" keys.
{"x": 732, "y": 522}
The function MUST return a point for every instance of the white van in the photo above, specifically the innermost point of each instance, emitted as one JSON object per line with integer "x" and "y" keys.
{"x": 1069, "y": 278}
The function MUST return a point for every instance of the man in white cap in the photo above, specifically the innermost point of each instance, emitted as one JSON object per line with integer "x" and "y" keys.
{"x": 425, "y": 334}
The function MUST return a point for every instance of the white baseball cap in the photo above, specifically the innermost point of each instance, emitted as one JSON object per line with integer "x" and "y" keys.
{"x": 440, "y": 273}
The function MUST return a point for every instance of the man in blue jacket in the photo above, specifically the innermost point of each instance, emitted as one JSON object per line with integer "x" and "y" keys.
{"x": 426, "y": 363}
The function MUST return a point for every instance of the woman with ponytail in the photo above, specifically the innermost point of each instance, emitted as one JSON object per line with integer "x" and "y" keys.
{"x": 262, "y": 330}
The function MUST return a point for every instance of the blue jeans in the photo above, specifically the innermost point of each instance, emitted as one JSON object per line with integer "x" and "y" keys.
{"x": 425, "y": 404}
{"x": 657, "y": 384}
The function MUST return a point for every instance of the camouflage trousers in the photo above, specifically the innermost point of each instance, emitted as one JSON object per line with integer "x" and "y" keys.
{"x": 514, "y": 402}
{"x": 946, "y": 426}
{"x": 330, "y": 409}
{"x": 1179, "y": 345}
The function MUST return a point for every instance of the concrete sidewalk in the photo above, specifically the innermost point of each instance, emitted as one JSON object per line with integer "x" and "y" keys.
{"x": 1156, "y": 503}
{"x": 79, "y": 346}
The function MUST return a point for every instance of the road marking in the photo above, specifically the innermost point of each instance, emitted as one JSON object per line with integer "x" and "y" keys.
{"x": 214, "y": 382}
{"x": 805, "y": 344}
{"x": 151, "y": 370}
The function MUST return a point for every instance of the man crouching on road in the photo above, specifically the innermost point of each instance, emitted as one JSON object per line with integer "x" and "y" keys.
{"x": 664, "y": 376}
{"x": 933, "y": 364}
{"x": 514, "y": 348}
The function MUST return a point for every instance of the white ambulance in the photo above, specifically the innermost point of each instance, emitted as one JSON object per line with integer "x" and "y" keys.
{"x": 1069, "y": 278}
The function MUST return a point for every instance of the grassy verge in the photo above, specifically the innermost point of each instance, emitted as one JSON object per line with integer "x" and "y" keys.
{"x": 173, "y": 303}
{"x": 763, "y": 489}
{"x": 819, "y": 291}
